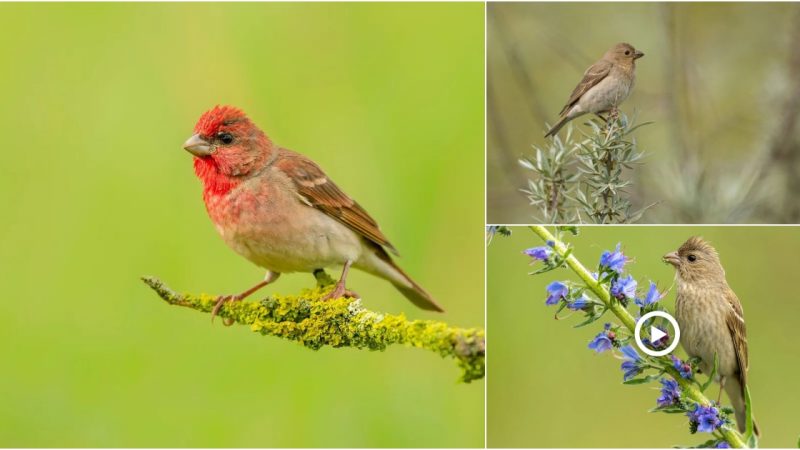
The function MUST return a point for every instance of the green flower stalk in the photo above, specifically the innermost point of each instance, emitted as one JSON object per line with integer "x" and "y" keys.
{"x": 343, "y": 322}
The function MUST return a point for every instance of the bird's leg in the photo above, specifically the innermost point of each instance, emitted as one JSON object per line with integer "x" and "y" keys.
{"x": 339, "y": 290}
{"x": 613, "y": 114}
{"x": 601, "y": 117}
{"x": 721, "y": 387}
{"x": 222, "y": 299}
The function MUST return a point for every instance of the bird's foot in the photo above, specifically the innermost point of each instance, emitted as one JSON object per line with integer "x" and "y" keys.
{"x": 340, "y": 291}
{"x": 221, "y": 300}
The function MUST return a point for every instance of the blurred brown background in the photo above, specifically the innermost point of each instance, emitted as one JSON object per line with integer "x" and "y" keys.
{"x": 720, "y": 81}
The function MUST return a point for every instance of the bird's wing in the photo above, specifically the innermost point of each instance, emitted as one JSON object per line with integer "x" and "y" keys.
{"x": 735, "y": 320}
{"x": 591, "y": 77}
{"x": 319, "y": 191}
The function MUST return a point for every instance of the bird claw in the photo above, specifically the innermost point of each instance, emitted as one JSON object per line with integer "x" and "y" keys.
{"x": 221, "y": 300}
{"x": 340, "y": 291}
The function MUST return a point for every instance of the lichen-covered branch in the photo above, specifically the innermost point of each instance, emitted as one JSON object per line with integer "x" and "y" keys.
{"x": 344, "y": 322}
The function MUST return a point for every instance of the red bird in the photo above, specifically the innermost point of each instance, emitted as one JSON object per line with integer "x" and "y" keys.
{"x": 279, "y": 210}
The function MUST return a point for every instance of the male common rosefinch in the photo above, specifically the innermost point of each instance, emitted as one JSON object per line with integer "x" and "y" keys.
{"x": 279, "y": 210}
{"x": 711, "y": 319}
{"x": 605, "y": 85}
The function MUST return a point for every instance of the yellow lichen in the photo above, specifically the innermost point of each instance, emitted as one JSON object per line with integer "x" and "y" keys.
{"x": 343, "y": 322}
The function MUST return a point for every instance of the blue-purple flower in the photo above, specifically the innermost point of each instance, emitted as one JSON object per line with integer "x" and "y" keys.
{"x": 683, "y": 367}
{"x": 705, "y": 419}
{"x": 652, "y": 296}
{"x": 604, "y": 340}
{"x": 670, "y": 393}
{"x": 624, "y": 288}
{"x": 578, "y": 303}
{"x": 613, "y": 261}
{"x": 631, "y": 363}
{"x": 539, "y": 253}
{"x": 555, "y": 292}
{"x": 722, "y": 444}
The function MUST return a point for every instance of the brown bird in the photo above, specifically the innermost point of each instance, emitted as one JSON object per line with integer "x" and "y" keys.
{"x": 605, "y": 85}
{"x": 711, "y": 320}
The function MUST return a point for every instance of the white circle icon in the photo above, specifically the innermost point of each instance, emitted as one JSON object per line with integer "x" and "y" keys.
{"x": 656, "y": 334}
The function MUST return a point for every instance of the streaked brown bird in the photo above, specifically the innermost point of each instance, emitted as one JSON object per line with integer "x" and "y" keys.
{"x": 605, "y": 85}
{"x": 711, "y": 319}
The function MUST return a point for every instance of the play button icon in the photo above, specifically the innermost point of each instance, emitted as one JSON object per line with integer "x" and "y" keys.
{"x": 656, "y": 334}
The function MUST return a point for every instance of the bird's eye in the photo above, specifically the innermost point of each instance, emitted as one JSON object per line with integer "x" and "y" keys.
{"x": 225, "y": 138}
{"x": 627, "y": 52}
{"x": 691, "y": 258}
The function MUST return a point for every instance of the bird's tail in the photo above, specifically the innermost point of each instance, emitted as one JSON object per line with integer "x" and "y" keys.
{"x": 384, "y": 267}
{"x": 417, "y": 295}
{"x": 736, "y": 394}
{"x": 554, "y": 129}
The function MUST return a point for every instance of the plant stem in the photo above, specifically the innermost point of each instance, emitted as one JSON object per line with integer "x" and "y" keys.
{"x": 733, "y": 437}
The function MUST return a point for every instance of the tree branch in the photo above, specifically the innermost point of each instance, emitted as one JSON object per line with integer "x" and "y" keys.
{"x": 344, "y": 322}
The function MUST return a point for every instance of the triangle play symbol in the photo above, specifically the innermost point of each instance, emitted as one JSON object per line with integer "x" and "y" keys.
{"x": 656, "y": 334}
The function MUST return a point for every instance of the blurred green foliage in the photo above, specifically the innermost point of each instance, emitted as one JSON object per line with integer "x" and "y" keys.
{"x": 97, "y": 99}
{"x": 717, "y": 80}
{"x": 545, "y": 385}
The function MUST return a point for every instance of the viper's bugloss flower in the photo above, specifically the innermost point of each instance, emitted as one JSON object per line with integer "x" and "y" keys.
{"x": 550, "y": 243}
{"x": 555, "y": 292}
{"x": 631, "y": 364}
{"x": 539, "y": 253}
{"x": 604, "y": 340}
{"x": 614, "y": 261}
{"x": 624, "y": 288}
{"x": 683, "y": 367}
{"x": 722, "y": 444}
{"x": 578, "y": 303}
{"x": 670, "y": 393}
{"x": 705, "y": 419}
{"x": 651, "y": 297}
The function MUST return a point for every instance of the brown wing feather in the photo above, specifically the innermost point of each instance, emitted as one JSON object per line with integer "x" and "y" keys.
{"x": 591, "y": 77}
{"x": 322, "y": 193}
{"x": 738, "y": 332}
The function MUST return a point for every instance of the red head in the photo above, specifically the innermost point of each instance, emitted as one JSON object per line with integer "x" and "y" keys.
{"x": 227, "y": 146}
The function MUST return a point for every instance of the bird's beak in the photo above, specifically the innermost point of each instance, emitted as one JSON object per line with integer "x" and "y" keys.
{"x": 637, "y": 54}
{"x": 672, "y": 258}
{"x": 198, "y": 146}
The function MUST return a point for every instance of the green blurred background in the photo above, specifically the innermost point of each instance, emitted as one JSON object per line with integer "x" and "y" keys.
{"x": 720, "y": 81}
{"x": 547, "y": 389}
{"x": 97, "y": 100}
